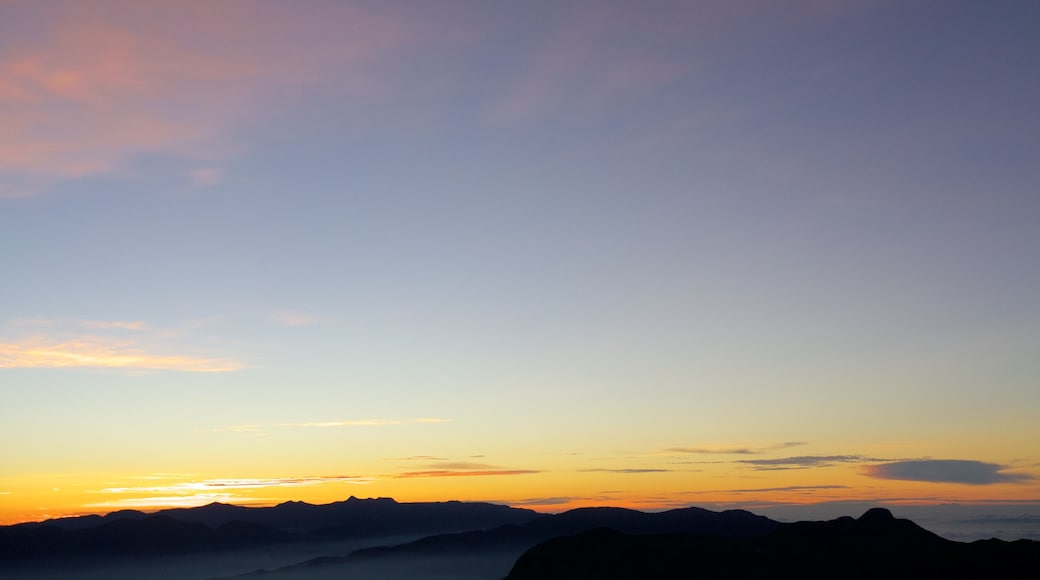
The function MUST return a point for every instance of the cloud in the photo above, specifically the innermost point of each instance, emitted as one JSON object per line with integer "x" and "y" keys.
{"x": 294, "y": 318}
{"x": 250, "y": 428}
{"x": 115, "y": 324}
{"x": 594, "y": 56}
{"x": 366, "y": 422}
{"x": 210, "y": 485}
{"x": 457, "y": 465}
{"x": 627, "y": 470}
{"x": 734, "y": 450}
{"x": 787, "y": 488}
{"x": 804, "y": 461}
{"x": 258, "y": 429}
{"x": 196, "y": 493}
{"x": 89, "y": 88}
{"x": 450, "y": 473}
{"x": 193, "y": 500}
{"x": 946, "y": 471}
{"x": 418, "y": 458}
{"x": 540, "y": 501}
{"x": 461, "y": 469}
{"x": 100, "y": 352}
{"x": 122, "y": 344}
{"x": 206, "y": 176}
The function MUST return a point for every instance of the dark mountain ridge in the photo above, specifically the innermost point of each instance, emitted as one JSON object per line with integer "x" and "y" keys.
{"x": 876, "y": 545}
{"x": 221, "y": 526}
{"x": 582, "y": 543}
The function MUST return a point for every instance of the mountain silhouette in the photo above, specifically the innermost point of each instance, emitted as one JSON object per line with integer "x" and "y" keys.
{"x": 220, "y": 526}
{"x": 876, "y": 545}
{"x": 480, "y": 540}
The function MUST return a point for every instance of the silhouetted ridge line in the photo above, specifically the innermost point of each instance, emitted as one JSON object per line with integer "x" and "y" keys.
{"x": 876, "y": 545}
{"x": 219, "y": 526}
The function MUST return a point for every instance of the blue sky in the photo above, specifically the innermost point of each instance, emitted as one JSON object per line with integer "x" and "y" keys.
{"x": 522, "y": 233}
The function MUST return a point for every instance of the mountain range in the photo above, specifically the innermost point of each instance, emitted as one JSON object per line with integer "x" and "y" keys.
{"x": 481, "y": 540}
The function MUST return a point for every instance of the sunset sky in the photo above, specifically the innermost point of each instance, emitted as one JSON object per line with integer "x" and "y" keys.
{"x": 551, "y": 254}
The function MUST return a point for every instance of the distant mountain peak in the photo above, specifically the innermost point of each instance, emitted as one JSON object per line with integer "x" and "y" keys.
{"x": 382, "y": 500}
{"x": 877, "y": 514}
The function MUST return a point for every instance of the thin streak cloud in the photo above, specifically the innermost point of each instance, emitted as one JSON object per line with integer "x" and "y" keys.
{"x": 734, "y": 450}
{"x": 294, "y": 318}
{"x": 804, "y": 461}
{"x": 243, "y": 483}
{"x": 461, "y": 465}
{"x": 116, "y": 324}
{"x": 186, "y": 501}
{"x": 809, "y": 488}
{"x": 365, "y": 422}
{"x": 97, "y": 352}
{"x": 626, "y": 470}
{"x": 450, "y": 473}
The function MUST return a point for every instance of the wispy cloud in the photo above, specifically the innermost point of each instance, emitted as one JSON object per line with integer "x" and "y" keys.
{"x": 625, "y": 470}
{"x": 462, "y": 469}
{"x": 164, "y": 476}
{"x": 211, "y": 485}
{"x": 461, "y": 465}
{"x": 542, "y": 501}
{"x": 193, "y": 500}
{"x": 257, "y": 429}
{"x": 294, "y": 318}
{"x": 450, "y": 473}
{"x": 590, "y": 55}
{"x": 100, "y": 352}
{"x": 116, "y": 344}
{"x": 250, "y": 428}
{"x": 946, "y": 471}
{"x": 115, "y": 324}
{"x": 788, "y": 488}
{"x": 804, "y": 461}
{"x": 733, "y": 449}
{"x": 96, "y": 86}
{"x": 365, "y": 422}
{"x": 206, "y": 176}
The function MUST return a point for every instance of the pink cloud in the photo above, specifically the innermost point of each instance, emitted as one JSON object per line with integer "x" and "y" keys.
{"x": 97, "y": 84}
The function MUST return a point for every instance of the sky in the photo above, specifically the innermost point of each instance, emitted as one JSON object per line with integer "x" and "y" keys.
{"x": 549, "y": 254}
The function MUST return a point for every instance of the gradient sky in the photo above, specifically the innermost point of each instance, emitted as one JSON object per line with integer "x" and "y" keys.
{"x": 544, "y": 253}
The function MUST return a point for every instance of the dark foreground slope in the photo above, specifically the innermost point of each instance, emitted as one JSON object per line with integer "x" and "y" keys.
{"x": 726, "y": 524}
{"x": 874, "y": 546}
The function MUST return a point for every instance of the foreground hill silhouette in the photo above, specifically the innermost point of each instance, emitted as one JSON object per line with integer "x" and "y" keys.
{"x": 874, "y": 546}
